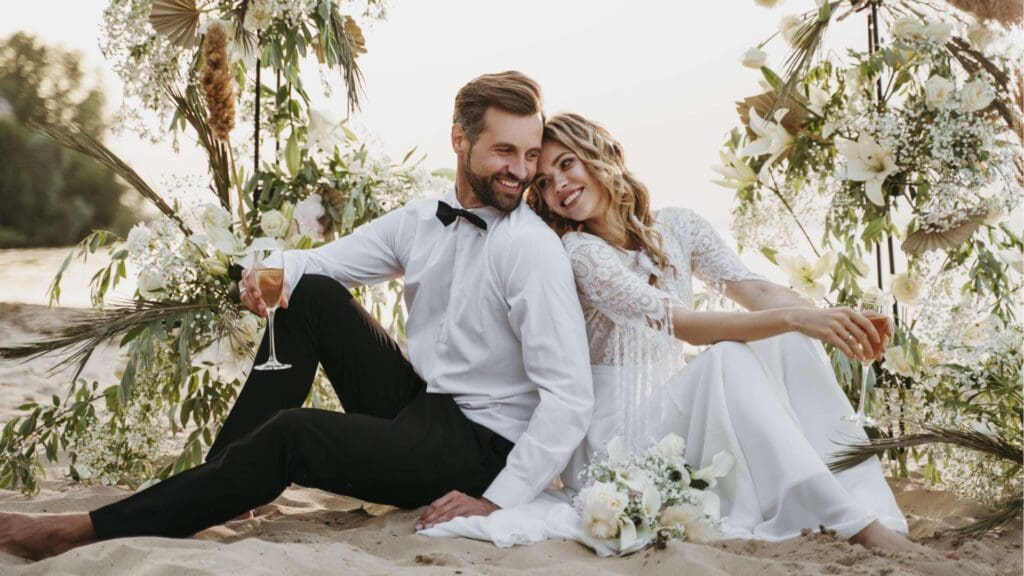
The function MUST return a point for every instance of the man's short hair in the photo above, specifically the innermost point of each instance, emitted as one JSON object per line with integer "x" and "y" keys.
{"x": 510, "y": 91}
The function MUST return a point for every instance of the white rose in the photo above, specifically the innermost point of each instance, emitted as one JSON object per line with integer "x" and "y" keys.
{"x": 938, "y": 32}
{"x": 790, "y": 27}
{"x": 754, "y": 58}
{"x": 274, "y": 223}
{"x": 671, "y": 447}
{"x": 908, "y": 28}
{"x": 897, "y": 361}
{"x": 151, "y": 283}
{"x": 215, "y": 216}
{"x": 905, "y": 288}
{"x": 602, "y": 507}
{"x": 976, "y": 95}
{"x": 937, "y": 91}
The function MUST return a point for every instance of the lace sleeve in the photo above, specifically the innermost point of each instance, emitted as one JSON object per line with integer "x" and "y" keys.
{"x": 605, "y": 283}
{"x": 713, "y": 261}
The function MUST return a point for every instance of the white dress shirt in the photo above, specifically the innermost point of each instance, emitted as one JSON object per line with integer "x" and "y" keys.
{"x": 493, "y": 319}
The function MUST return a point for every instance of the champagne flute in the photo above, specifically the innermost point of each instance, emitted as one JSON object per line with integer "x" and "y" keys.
{"x": 869, "y": 303}
{"x": 270, "y": 277}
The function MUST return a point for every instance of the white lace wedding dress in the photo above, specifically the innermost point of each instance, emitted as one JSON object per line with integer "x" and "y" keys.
{"x": 774, "y": 404}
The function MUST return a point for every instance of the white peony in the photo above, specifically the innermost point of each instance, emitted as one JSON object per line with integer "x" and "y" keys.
{"x": 938, "y": 32}
{"x": 215, "y": 216}
{"x": 274, "y": 223}
{"x": 908, "y": 28}
{"x": 905, "y": 288}
{"x": 151, "y": 283}
{"x": 790, "y": 27}
{"x": 671, "y": 447}
{"x": 937, "y": 92}
{"x": 867, "y": 162}
{"x": 976, "y": 95}
{"x": 736, "y": 173}
{"x": 897, "y": 361}
{"x": 754, "y": 58}
{"x": 804, "y": 275}
{"x": 603, "y": 506}
{"x": 721, "y": 464}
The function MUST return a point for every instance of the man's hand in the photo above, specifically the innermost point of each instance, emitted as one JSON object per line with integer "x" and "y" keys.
{"x": 453, "y": 505}
{"x": 249, "y": 292}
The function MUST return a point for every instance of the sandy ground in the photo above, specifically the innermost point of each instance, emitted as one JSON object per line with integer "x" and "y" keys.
{"x": 307, "y": 531}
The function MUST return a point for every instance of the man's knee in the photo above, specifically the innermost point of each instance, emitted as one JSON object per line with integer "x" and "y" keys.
{"x": 315, "y": 290}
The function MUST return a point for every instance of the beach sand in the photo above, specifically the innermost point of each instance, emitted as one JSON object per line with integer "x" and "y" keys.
{"x": 307, "y": 531}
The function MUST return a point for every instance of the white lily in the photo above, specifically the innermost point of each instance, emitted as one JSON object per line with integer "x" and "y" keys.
{"x": 867, "y": 162}
{"x": 804, "y": 275}
{"x": 772, "y": 138}
{"x": 736, "y": 173}
{"x": 721, "y": 464}
{"x": 818, "y": 99}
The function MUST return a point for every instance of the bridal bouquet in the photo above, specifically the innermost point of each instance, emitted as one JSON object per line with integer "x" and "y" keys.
{"x": 632, "y": 500}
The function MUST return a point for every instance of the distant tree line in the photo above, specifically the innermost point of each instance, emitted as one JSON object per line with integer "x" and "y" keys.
{"x": 50, "y": 196}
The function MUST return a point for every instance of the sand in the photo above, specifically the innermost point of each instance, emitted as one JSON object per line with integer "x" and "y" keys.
{"x": 308, "y": 531}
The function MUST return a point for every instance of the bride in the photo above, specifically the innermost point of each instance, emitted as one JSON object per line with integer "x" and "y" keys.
{"x": 763, "y": 390}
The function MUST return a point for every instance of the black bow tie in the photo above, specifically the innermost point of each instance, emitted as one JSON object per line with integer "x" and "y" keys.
{"x": 447, "y": 214}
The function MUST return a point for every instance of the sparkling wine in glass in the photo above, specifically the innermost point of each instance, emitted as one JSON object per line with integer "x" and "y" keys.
{"x": 270, "y": 277}
{"x": 878, "y": 304}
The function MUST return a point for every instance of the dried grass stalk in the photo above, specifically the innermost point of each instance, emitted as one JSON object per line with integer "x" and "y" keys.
{"x": 217, "y": 82}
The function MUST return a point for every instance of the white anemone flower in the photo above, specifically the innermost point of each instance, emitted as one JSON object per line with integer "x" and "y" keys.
{"x": 804, "y": 275}
{"x": 867, "y": 162}
{"x": 736, "y": 173}
{"x": 772, "y": 138}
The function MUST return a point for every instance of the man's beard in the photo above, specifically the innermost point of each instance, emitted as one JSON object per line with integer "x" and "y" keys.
{"x": 483, "y": 187}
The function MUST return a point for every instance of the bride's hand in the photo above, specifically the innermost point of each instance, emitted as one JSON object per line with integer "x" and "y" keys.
{"x": 846, "y": 329}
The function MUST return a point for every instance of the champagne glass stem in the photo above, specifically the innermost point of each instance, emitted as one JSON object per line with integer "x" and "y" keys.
{"x": 270, "y": 327}
{"x": 862, "y": 401}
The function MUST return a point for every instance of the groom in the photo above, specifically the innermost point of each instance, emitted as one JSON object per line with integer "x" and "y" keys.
{"x": 493, "y": 398}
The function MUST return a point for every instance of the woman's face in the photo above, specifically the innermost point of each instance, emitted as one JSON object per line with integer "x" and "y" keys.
{"x": 567, "y": 187}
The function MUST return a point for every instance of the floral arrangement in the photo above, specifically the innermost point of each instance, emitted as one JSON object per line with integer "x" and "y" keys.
{"x": 905, "y": 155}
{"x": 183, "y": 337}
{"x": 632, "y": 500}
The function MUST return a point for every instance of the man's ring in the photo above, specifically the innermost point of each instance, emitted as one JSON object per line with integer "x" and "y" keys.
{"x": 849, "y": 337}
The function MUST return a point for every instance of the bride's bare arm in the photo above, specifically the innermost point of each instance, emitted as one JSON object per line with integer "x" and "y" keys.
{"x": 844, "y": 328}
{"x": 763, "y": 295}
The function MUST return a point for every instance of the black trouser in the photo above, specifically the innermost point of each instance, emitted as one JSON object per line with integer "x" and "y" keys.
{"x": 395, "y": 444}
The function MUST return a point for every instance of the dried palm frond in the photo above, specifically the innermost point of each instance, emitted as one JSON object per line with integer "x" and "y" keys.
{"x": 348, "y": 49}
{"x": 178, "y": 20}
{"x": 926, "y": 240}
{"x": 764, "y": 103}
{"x": 190, "y": 107}
{"x": 88, "y": 329}
{"x": 354, "y": 35}
{"x": 994, "y": 446}
{"x": 1006, "y": 12}
{"x": 806, "y": 44}
{"x": 71, "y": 136}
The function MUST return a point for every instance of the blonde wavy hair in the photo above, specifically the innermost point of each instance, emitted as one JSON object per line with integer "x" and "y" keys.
{"x": 629, "y": 215}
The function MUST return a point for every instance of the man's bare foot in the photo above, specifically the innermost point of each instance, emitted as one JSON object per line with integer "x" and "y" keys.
{"x": 37, "y": 536}
{"x": 878, "y": 537}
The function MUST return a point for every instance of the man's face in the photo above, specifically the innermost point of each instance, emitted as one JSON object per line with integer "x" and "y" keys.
{"x": 501, "y": 163}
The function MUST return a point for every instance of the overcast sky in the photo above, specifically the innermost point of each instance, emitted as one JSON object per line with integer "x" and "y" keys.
{"x": 662, "y": 76}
